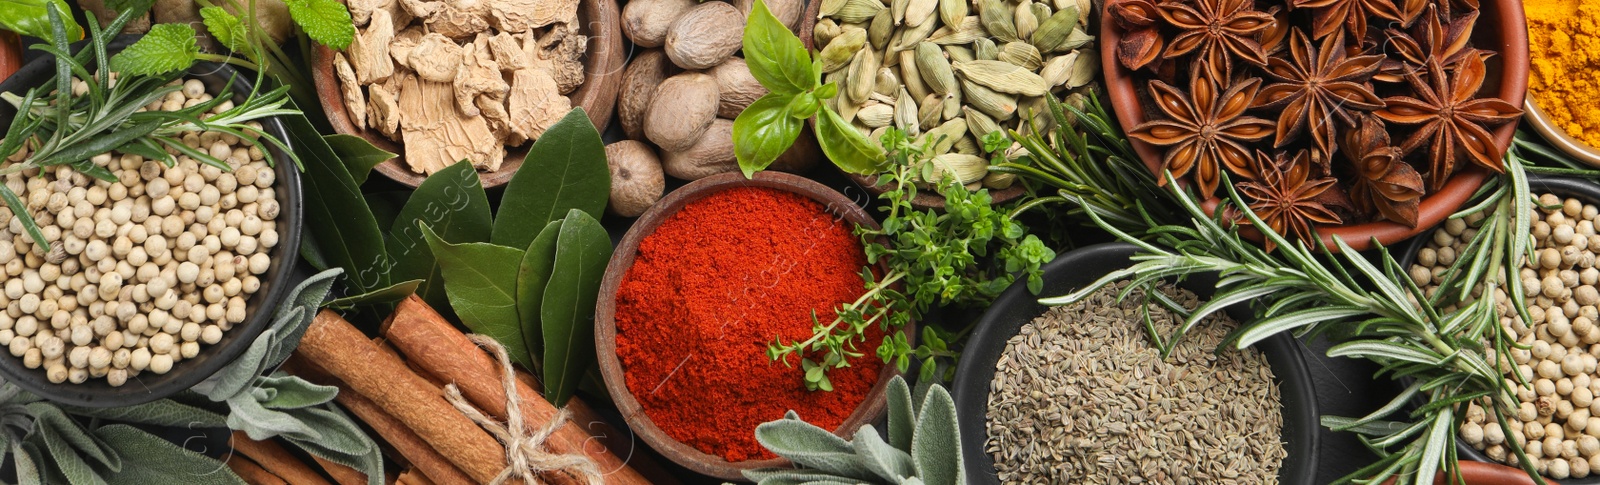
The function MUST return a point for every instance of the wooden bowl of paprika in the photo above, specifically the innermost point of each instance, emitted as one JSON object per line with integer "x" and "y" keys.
{"x": 698, "y": 289}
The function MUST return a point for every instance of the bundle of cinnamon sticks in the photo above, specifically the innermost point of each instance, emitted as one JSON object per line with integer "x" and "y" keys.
{"x": 395, "y": 383}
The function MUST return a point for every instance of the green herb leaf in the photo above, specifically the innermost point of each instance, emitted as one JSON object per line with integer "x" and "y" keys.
{"x": 325, "y": 21}
{"x": 165, "y": 412}
{"x": 848, "y": 148}
{"x": 73, "y": 468}
{"x": 347, "y": 235}
{"x": 359, "y": 155}
{"x": 565, "y": 169}
{"x": 763, "y": 132}
{"x": 154, "y": 460}
{"x": 20, "y": 211}
{"x": 937, "y": 444}
{"x": 292, "y": 392}
{"x": 533, "y": 275}
{"x": 166, "y": 48}
{"x": 453, "y": 204}
{"x": 887, "y": 462}
{"x": 29, "y": 17}
{"x": 902, "y": 418}
{"x": 296, "y": 313}
{"x": 225, "y": 28}
{"x": 776, "y": 57}
{"x": 567, "y": 313}
{"x": 393, "y": 293}
{"x": 811, "y": 447}
{"x": 482, "y": 290}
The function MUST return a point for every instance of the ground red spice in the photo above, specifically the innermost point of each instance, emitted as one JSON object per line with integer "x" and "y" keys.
{"x": 706, "y": 294}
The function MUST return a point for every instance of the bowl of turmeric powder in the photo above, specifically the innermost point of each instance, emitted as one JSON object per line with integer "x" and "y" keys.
{"x": 1561, "y": 89}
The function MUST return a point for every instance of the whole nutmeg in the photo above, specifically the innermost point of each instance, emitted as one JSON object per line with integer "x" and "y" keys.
{"x": 683, "y": 108}
{"x": 787, "y": 11}
{"x": 636, "y": 179}
{"x": 736, "y": 87}
{"x": 645, "y": 22}
{"x": 711, "y": 155}
{"x": 705, "y": 35}
{"x": 645, "y": 73}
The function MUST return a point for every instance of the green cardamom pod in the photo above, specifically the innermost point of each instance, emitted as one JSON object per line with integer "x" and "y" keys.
{"x": 1053, "y": 32}
{"x": 1042, "y": 11}
{"x": 1056, "y": 70}
{"x": 905, "y": 113}
{"x": 830, "y": 8}
{"x": 824, "y": 32}
{"x": 979, "y": 124}
{"x": 1003, "y": 76}
{"x": 839, "y": 51}
{"x": 998, "y": 105}
{"x": 935, "y": 69}
{"x": 910, "y": 76}
{"x": 944, "y": 136}
{"x": 1022, "y": 54}
{"x": 996, "y": 17}
{"x": 930, "y": 111}
{"x": 952, "y": 104}
{"x": 879, "y": 31}
{"x": 1035, "y": 113}
{"x": 858, "y": 10}
{"x": 1084, "y": 6}
{"x": 953, "y": 12}
{"x": 899, "y": 10}
{"x": 863, "y": 75}
{"x": 908, "y": 38}
{"x": 1084, "y": 69}
{"x": 959, "y": 53}
{"x": 1025, "y": 21}
{"x": 964, "y": 168}
{"x": 919, "y": 11}
{"x": 847, "y": 108}
{"x": 966, "y": 146}
{"x": 963, "y": 33}
{"x": 985, "y": 49}
{"x": 887, "y": 82}
{"x": 1078, "y": 38}
{"x": 876, "y": 115}
{"x": 999, "y": 181}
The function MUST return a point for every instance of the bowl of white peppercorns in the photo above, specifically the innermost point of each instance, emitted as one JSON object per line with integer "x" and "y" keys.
{"x": 1557, "y": 416}
{"x": 154, "y": 282}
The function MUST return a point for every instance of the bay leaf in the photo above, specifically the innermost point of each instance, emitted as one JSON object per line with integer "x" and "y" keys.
{"x": 452, "y": 203}
{"x": 567, "y": 313}
{"x": 334, "y": 210}
{"x": 392, "y": 293}
{"x": 358, "y": 154}
{"x": 564, "y": 170}
{"x": 533, "y": 274}
{"x": 482, "y": 290}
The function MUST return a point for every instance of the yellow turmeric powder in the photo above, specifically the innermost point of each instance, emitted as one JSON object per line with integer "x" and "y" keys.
{"x": 1564, "y": 40}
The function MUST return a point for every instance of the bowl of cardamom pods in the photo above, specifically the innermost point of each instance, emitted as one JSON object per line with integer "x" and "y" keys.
{"x": 950, "y": 72}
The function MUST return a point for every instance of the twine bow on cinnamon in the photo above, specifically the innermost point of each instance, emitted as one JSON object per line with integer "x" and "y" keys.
{"x": 526, "y": 457}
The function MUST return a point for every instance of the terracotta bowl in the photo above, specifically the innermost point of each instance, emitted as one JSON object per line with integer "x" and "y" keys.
{"x": 603, "y": 62}
{"x": 871, "y": 409}
{"x": 1477, "y": 473}
{"x": 1558, "y": 136}
{"x": 10, "y": 54}
{"x": 1501, "y": 26}
{"x": 925, "y": 199}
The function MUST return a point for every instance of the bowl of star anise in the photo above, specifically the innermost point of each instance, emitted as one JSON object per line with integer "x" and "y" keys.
{"x": 1365, "y": 119}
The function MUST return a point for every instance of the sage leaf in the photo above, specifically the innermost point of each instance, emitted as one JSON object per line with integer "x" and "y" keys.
{"x": 849, "y": 149}
{"x": 28, "y": 17}
{"x": 775, "y": 55}
{"x": 533, "y": 275}
{"x": 884, "y": 460}
{"x": 28, "y": 472}
{"x": 165, "y": 48}
{"x": 781, "y": 476}
{"x": 334, "y": 210}
{"x": 226, "y": 28}
{"x": 238, "y": 376}
{"x": 763, "y": 131}
{"x": 294, "y": 392}
{"x": 164, "y": 412}
{"x": 451, "y": 202}
{"x": 382, "y": 296}
{"x": 325, "y": 21}
{"x": 47, "y": 417}
{"x": 567, "y": 312}
{"x": 565, "y": 169}
{"x": 299, "y": 307}
{"x": 248, "y": 415}
{"x": 482, "y": 290}
{"x": 359, "y": 155}
{"x": 902, "y": 418}
{"x": 337, "y": 432}
{"x": 369, "y": 464}
{"x": 811, "y": 447}
{"x": 154, "y": 460}
{"x": 67, "y": 461}
{"x": 937, "y": 444}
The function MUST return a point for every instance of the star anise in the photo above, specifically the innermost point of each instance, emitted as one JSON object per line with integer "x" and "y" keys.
{"x": 1205, "y": 132}
{"x": 1273, "y": 36}
{"x": 1319, "y": 87}
{"x": 1430, "y": 39}
{"x": 1452, "y": 118}
{"x": 1384, "y": 186}
{"x": 1219, "y": 30}
{"x": 1331, "y": 15}
{"x": 1286, "y": 198}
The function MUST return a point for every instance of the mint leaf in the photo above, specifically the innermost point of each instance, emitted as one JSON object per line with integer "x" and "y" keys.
{"x": 325, "y": 21}
{"x": 776, "y": 57}
{"x": 763, "y": 131}
{"x": 166, "y": 48}
{"x": 225, "y": 28}
{"x": 848, "y": 148}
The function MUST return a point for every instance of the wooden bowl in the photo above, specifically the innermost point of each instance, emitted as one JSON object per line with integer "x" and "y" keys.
{"x": 1478, "y": 473}
{"x": 10, "y": 53}
{"x": 1501, "y": 26}
{"x": 1558, "y": 136}
{"x": 603, "y": 62}
{"x": 871, "y": 409}
{"x": 925, "y": 199}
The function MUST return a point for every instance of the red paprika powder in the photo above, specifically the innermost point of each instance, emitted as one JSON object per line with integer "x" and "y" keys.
{"x": 710, "y": 289}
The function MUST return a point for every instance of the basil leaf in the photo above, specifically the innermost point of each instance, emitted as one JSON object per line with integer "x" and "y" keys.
{"x": 763, "y": 132}
{"x": 567, "y": 315}
{"x": 154, "y": 460}
{"x": 533, "y": 275}
{"x": 166, "y": 48}
{"x": 453, "y": 204}
{"x": 358, "y": 154}
{"x": 28, "y": 17}
{"x": 566, "y": 169}
{"x": 347, "y": 235}
{"x": 776, "y": 57}
{"x": 481, "y": 287}
{"x": 848, "y": 148}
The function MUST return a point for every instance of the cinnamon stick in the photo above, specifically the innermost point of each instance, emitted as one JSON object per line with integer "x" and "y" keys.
{"x": 344, "y": 352}
{"x": 412, "y": 477}
{"x": 427, "y": 339}
{"x": 252, "y": 473}
{"x": 613, "y": 439}
{"x": 422, "y": 456}
{"x": 344, "y": 475}
{"x": 276, "y": 460}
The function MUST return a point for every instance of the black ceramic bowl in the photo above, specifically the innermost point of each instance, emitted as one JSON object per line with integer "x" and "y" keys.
{"x": 1580, "y": 189}
{"x": 275, "y": 283}
{"x": 1069, "y": 272}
